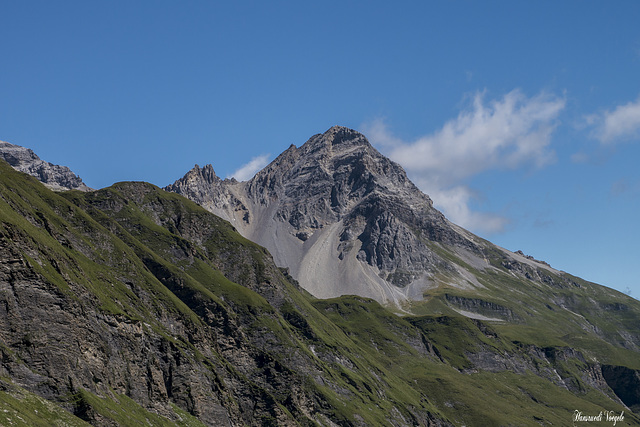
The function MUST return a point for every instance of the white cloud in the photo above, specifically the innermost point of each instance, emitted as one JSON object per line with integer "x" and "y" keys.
{"x": 622, "y": 123}
{"x": 507, "y": 133}
{"x": 248, "y": 170}
{"x": 455, "y": 201}
{"x": 377, "y": 132}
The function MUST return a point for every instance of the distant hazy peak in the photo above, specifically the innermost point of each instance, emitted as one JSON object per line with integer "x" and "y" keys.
{"x": 53, "y": 176}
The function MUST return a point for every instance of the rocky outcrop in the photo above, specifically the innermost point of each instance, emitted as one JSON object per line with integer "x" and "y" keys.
{"x": 482, "y": 307}
{"x": 53, "y": 176}
{"x": 204, "y": 186}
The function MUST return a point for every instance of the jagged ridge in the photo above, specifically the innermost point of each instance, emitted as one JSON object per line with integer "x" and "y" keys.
{"x": 53, "y": 176}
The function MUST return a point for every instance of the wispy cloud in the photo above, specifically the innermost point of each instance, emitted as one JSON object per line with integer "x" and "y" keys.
{"x": 248, "y": 170}
{"x": 580, "y": 157}
{"x": 507, "y": 133}
{"x": 620, "y": 124}
{"x": 455, "y": 201}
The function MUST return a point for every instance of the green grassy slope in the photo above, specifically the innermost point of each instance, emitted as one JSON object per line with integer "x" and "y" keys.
{"x": 538, "y": 306}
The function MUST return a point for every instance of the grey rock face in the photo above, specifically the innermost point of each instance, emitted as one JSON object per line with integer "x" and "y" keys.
{"x": 53, "y": 176}
{"x": 341, "y": 216}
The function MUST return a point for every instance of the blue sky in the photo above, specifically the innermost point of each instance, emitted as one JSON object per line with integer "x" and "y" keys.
{"x": 520, "y": 119}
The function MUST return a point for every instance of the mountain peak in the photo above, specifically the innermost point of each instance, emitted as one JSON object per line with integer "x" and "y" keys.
{"x": 206, "y": 173}
{"x": 338, "y": 137}
{"x": 53, "y": 176}
{"x": 336, "y": 191}
{"x": 340, "y": 134}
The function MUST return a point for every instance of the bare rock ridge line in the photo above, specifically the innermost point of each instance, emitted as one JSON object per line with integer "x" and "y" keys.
{"x": 53, "y": 176}
{"x": 345, "y": 220}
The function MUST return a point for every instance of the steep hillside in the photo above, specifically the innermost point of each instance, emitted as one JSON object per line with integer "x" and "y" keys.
{"x": 203, "y": 327}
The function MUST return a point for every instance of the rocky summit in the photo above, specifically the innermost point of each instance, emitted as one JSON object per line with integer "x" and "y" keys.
{"x": 132, "y": 305}
{"x": 338, "y": 214}
{"x": 53, "y": 176}
{"x": 346, "y": 220}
